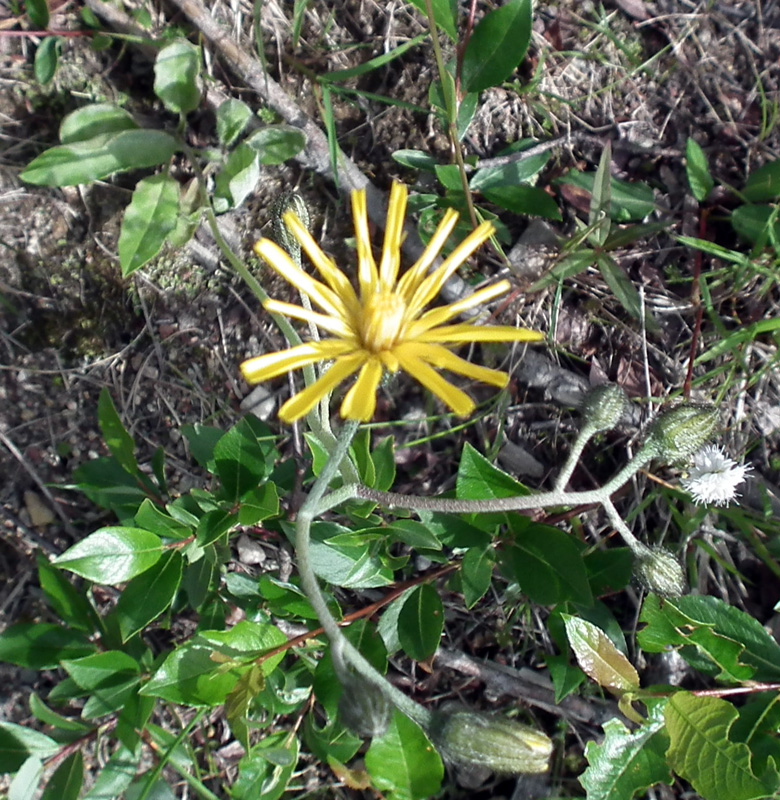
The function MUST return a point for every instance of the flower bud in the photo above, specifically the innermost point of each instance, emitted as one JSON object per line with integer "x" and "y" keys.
{"x": 660, "y": 572}
{"x": 603, "y": 406}
{"x": 473, "y": 739}
{"x": 677, "y": 434}
{"x": 364, "y": 709}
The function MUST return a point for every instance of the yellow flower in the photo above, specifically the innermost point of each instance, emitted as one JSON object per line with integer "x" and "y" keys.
{"x": 384, "y": 325}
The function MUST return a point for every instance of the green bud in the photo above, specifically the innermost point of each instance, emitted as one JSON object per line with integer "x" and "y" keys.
{"x": 660, "y": 572}
{"x": 473, "y": 739}
{"x": 677, "y": 434}
{"x": 603, "y": 406}
{"x": 364, "y": 709}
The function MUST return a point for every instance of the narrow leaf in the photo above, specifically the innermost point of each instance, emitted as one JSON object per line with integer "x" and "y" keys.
{"x": 421, "y": 622}
{"x": 697, "y": 170}
{"x": 66, "y": 782}
{"x": 444, "y": 15}
{"x": 598, "y": 657}
{"x": 117, "y": 439}
{"x": 601, "y": 199}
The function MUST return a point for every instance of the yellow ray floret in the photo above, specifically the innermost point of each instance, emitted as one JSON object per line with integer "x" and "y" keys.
{"x": 384, "y": 325}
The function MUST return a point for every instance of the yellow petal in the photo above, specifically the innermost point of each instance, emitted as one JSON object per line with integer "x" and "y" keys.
{"x": 414, "y": 275}
{"x": 332, "y": 275}
{"x": 334, "y": 325}
{"x": 270, "y": 365}
{"x": 367, "y": 272}
{"x": 450, "y": 395}
{"x": 431, "y": 286}
{"x": 465, "y": 332}
{"x": 303, "y": 402}
{"x": 360, "y": 402}
{"x": 394, "y": 228}
{"x": 438, "y": 316}
{"x": 319, "y": 293}
{"x": 440, "y": 357}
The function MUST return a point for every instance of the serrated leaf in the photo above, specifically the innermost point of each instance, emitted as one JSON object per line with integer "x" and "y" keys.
{"x": 763, "y": 183}
{"x": 66, "y": 782}
{"x": 598, "y": 657}
{"x": 46, "y": 58}
{"x": 403, "y": 763}
{"x": 176, "y": 71}
{"x": 93, "y": 120}
{"x": 497, "y": 45}
{"x": 421, "y": 622}
{"x": 150, "y": 217}
{"x": 232, "y": 118}
{"x": 100, "y": 157}
{"x": 627, "y": 762}
{"x": 702, "y": 752}
{"x": 476, "y": 574}
{"x": 112, "y": 555}
{"x": 444, "y": 15}
{"x": 735, "y": 643}
{"x": 115, "y": 435}
{"x": 149, "y": 595}
{"x": 697, "y": 170}
{"x": 277, "y": 143}
{"x": 41, "y": 645}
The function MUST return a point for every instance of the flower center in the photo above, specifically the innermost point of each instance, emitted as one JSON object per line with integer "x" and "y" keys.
{"x": 382, "y": 324}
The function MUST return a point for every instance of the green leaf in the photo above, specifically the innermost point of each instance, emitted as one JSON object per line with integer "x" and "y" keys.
{"x": 476, "y": 573}
{"x": 383, "y": 456}
{"x": 497, "y": 45}
{"x": 763, "y": 184}
{"x": 277, "y": 143}
{"x": 93, "y": 120}
{"x": 150, "y": 217}
{"x": 444, "y": 15}
{"x": 238, "y": 178}
{"x": 44, "y": 714}
{"x": 46, "y": 58}
{"x": 609, "y": 571}
{"x": 733, "y": 642}
{"x": 547, "y": 564}
{"x": 215, "y": 524}
{"x": 66, "y": 782}
{"x": 403, "y": 764}
{"x": 149, "y": 595}
{"x": 701, "y": 751}
{"x": 265, "y": 771}
{"x": 242, "y": 457}
{"x": 627, "y": 762}
{"x": 38, "y": 12}
{"x": 753, "y": 223}
{"x": 601, "y": 199}
{"x": 526, "y": 200}
{"x": 118, "y": 440}
{"x": 41, "y": 645}
{"x": 176, "y": 71}
{"x": 100, "y": 157}
{"x": 17, "y": 744}
{"x": 116, "y": 775}
{"x": 566, "y": 677}
{"x": 152, "y": 518}
{"x": 107, "y": 485}
{"x": 630, "y": 201}
{"x": 598, "y": 657}
{"x": 622, "y": 287}
{"x": 421, "y": 622}
{"x": 511, "y": 174}
{"x": 99, "y": 669}
{"x": 411, "y": 532}
{"x": 478, "y": 479}
{"x": 24, "y": 786}
{"x": 112, "y": 555}
{"x": 415, "y": 159}
{"x": 70, "y": 605}
{"x": 237, "y": 703}
{"x": 697, "y": 170}
{"x": 259, "y": 504}
{"x": 232, "y": 118}
{"x": 202, "y": 440}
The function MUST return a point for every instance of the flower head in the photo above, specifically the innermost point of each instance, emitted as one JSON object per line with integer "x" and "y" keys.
{"x": 383, "y": 325}
{"x": 714, "y": 477}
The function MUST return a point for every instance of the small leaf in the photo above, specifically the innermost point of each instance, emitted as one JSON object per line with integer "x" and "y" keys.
{"x": 38, "y": 12}
{"x": 621, "y": 286}
{"x": 630, "y": 201}
{"x": 403, "y": 763}
{"x": 627, "y": 762}
{"x": 66, "y": 782}
{"x": 238, "y": 178}
{"x": 24, "y": 786}
{"x": 265, "y": 771}
{"x": 46, "y": 57}
{"x": 176, "y": 71}
{"x": 17, "y": 744}
{"x": 112, "y": 555}
{"x": 497, "y": 45}
{"x": 526, "y": 200}
{"x": 150, "y": 217}
{"x": 116, "y": 775}
{"x": 763, "y": 184}
{"x": 100, "y": 157}
{"x": 277, "y": 143}
{"x": 598, "y": 657}
{"x": 476, "y": 574}
{"x": 601, "y": 199}
{"x": 697, "y": 170}
{"x": 116, "y": 437}
{"x": 444, "y": 15}
{"x": 702, "y": 752}
{"x": 232, "y": 118}
{"x": 93, "y": 120}
{"x": 421, "y": 622}
{"x": 753, "y": 223}
{"x": 415, "y": 159}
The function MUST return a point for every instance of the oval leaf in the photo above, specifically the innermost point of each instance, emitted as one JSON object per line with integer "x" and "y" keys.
{"x": 112, "y": 555}
{"x": 176, "y": 77}
{"x": 497, "y": 45}
{"x": 598, "y": 657}
{"x": 421, "y": 622}
{"x": 150, "y": 217}
{"x": 46, "y": 57}
{"x": 277, "y": 143}
{"x": 698, "y": 172}
{"x": 763, "y": 184}
{"x": 94, "y": 120}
